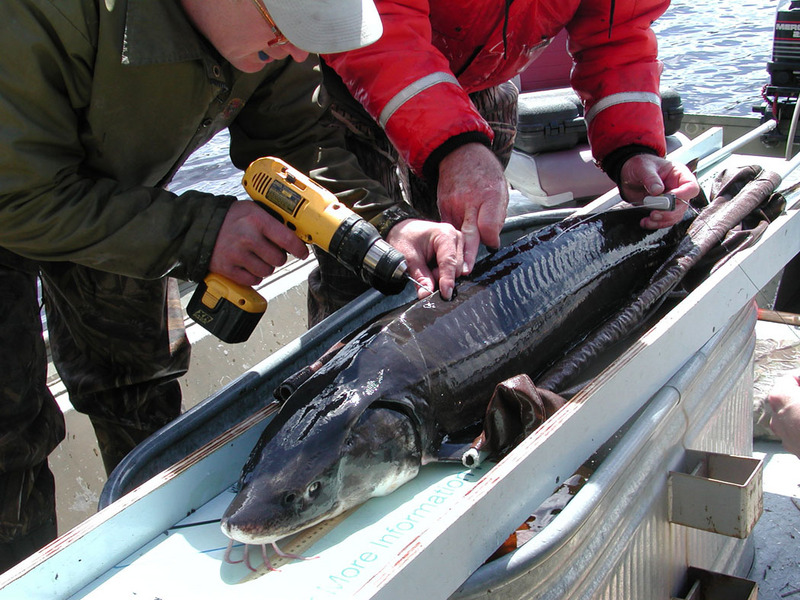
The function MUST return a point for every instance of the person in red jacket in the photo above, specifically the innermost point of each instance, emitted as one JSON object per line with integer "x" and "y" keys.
{"x": 430, "y": 111}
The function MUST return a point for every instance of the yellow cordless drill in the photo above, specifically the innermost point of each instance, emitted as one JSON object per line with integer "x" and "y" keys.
{"x": 231, "y": 311}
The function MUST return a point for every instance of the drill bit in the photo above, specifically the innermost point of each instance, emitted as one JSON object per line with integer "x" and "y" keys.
{"x": 417, "y": 283}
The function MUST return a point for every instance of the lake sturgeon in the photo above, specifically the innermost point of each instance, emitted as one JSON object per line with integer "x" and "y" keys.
{"x": 364, "y": 423}
{"x": 385, "y": 402}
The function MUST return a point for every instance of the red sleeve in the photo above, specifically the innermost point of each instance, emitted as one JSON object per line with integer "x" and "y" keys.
{"x": 617, "y": 74}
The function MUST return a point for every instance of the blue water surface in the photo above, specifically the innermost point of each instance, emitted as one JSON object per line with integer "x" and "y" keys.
{"x": 715, "y": 53}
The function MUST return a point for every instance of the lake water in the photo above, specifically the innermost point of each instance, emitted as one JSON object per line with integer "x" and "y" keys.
{"x": 714, "y": 53}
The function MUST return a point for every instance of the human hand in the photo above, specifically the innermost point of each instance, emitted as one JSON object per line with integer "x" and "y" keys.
{"x": 648, "y": 175}
{"x": 473, "y": 197}
{"x": 251, "y": 244}
{"x": 423, "y": 241}
{"x": 784, "y": 399}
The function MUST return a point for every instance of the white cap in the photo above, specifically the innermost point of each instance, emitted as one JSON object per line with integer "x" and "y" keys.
{"x": 326, "y": 26}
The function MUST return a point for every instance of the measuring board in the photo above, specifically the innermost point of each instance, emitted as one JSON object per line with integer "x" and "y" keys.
{"x": 187, "y": 560}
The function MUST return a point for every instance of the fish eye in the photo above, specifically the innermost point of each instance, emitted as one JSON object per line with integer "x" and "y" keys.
{"x": 313, "y": 489}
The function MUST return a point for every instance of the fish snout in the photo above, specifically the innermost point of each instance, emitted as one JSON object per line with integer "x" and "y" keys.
{"x": 242, "y": 527}
{"x": 252, "y": 520}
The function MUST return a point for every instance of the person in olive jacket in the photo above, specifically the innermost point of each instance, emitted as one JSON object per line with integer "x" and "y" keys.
{"x": 100, "y": 104}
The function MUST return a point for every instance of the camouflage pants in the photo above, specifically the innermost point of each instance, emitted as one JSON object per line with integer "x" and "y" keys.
{"x": 118, "y": 344}
{"x": 330, "y": 285}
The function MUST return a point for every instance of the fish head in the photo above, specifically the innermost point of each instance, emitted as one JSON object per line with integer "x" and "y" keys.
{"x": 293, "y": 486}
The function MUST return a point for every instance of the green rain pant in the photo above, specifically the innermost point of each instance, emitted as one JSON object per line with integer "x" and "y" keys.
{"x": 330, "y": 285}
{"x": 119, "y": 346}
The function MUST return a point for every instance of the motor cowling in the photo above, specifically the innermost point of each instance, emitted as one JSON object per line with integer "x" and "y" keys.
{"x": 781, "y": 93}
{"x": 784, "y": 68}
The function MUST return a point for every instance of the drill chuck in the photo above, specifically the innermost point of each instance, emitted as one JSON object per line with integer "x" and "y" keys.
{"x": 357, "y": 245}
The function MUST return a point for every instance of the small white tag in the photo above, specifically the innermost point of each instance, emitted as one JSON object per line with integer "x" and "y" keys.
{"x": 663, "y": 202}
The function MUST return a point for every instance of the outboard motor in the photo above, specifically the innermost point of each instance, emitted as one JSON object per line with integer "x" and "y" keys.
{"x": 785, "y": 64}
{"x": 782, "y": 92}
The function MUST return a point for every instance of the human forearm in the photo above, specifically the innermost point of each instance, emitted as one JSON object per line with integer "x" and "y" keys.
{"x": 141, "y": 232}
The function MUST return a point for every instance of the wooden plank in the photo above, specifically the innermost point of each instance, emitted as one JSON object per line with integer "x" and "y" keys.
{"x": 439, "y": 560}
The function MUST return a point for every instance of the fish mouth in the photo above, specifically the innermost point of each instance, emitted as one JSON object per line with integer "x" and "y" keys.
{"x": 238, "y": 534}
{"x": 248, "y": 534}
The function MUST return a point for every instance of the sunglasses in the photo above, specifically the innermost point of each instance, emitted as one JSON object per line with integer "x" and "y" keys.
{"x": 280, "y": 39}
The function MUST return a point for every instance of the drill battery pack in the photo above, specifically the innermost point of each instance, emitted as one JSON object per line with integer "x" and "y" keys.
{"x": 228, "y": 310}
